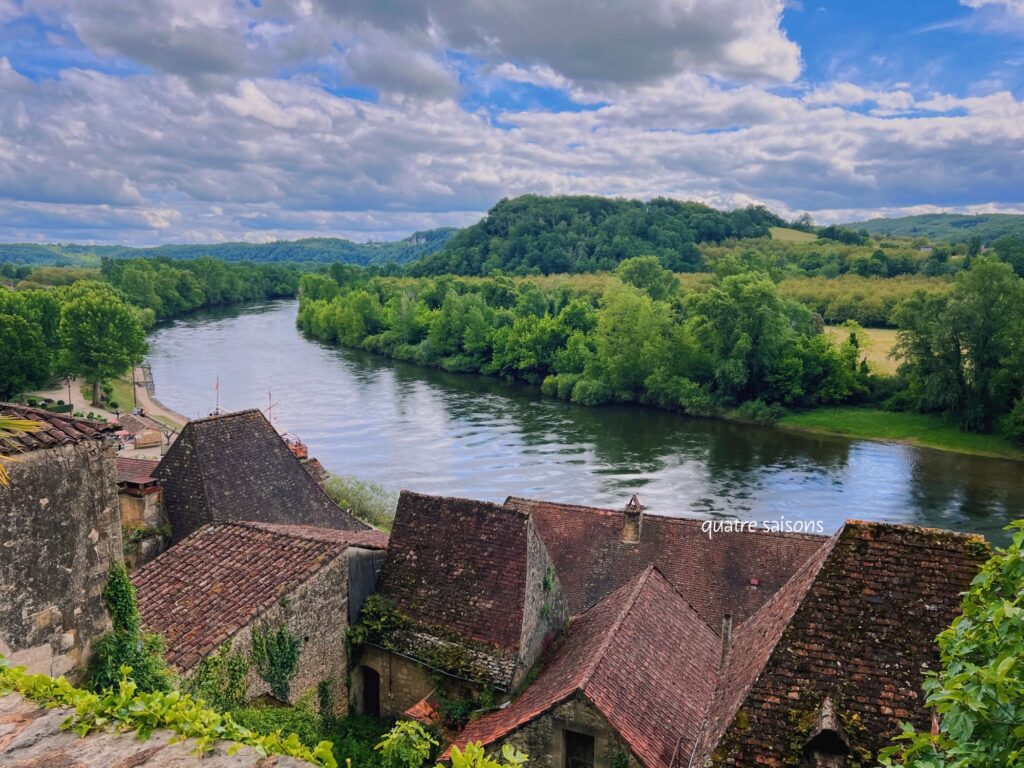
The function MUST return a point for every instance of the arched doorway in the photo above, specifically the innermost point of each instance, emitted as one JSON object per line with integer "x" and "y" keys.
{"x": 371, "y": 691}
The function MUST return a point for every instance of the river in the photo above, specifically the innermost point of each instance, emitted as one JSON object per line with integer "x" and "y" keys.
{"x": 404, "y": 426}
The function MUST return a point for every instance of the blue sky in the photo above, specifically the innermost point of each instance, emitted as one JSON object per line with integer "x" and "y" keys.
{"x": 207, "y": 120}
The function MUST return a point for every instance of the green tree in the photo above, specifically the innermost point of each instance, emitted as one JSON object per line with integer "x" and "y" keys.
{"x": 101, "y": 336}
{"x": 407, "y": 745}
{"x": 24, "y": 361}
{"x": 126, "y": 645}
{"x": 647, "y": 274}
{"x": 978, "y": 694}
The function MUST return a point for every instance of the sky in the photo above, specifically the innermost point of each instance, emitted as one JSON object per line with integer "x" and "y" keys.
{"x": 145, "y": 122}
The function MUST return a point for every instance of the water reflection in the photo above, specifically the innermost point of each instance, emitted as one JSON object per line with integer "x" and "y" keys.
{"x": 406, "y": 426}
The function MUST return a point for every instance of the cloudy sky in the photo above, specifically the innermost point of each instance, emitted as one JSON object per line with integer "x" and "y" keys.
{"x": 152, "y": 121}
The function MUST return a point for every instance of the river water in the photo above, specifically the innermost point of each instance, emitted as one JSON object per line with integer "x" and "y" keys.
{"x": 404, "y": 426}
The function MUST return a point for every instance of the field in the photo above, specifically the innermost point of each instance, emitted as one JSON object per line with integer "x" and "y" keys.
{"x": 880, "y": 343}
{"x": 924, "y": 430}
{"x": 787, "y": 235}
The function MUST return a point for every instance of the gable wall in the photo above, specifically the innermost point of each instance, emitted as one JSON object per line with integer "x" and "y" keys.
{"x": 184, "y": 498}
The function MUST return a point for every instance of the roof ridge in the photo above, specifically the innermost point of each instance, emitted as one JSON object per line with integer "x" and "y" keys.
{"x": 227, "y": 415}
{"x": 498, "y": 506}
{"x": 613, "y": 628}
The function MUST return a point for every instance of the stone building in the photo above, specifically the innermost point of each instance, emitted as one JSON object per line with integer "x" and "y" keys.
{"x": 236, "y": 467}
{"x": 736, "y": 649}
{"x": 227, "y": 580}
{"x": 144, "y": 525}
{"x": 473, "y": 599}
{"x": 59, "y": 534}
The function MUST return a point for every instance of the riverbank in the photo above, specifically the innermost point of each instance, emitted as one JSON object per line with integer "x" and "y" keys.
{"x": 917, "y": 429}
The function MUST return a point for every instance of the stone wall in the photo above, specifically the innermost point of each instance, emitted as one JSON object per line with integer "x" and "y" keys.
{"x": 403, "y": 682}
{"x": 144, "y": 525}
{"x": 545, "y": 608}
{"x": 59, "y": 533}
{"x": 317, "y": 613}
{"x": 543, "y": 739}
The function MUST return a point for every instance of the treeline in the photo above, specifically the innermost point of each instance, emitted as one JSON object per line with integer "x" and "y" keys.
{"x": 733, "y": 341}
{"x": 949, "y": 227}
{"x": 545, "y": 235}
{"x": 734, "y": 344}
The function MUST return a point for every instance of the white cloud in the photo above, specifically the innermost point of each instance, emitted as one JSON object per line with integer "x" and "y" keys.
{"x": 1015, "y": 7}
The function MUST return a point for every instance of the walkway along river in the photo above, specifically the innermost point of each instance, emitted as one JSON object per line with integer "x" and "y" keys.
{"x": 406, "y": 426}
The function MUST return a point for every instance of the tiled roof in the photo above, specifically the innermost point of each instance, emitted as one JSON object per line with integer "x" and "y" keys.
{"x": 477, "y": 591}
{"x": 208, "y": 586}
{"x": 136, "y": 471}
{"x": 55, "y": 430}
{"x": 643, "y": 657}
{"x": 730, "y": 573}
{"x": 237, "y": 467}
{"x": 369, "y": 539}
{"x": 855, "y": 626}
{"x": 138, "y": 424}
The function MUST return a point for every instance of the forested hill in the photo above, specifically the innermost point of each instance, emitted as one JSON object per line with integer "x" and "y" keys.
{"x": 318, "y": 250}
{"x": 949, "y": 227}
{"x": 586, "y": 234}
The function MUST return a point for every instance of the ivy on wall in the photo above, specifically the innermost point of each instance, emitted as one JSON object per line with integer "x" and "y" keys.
{"x": 275, "y": 654}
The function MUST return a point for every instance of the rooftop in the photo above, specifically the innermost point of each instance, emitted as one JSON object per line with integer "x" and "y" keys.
{"x": 206, "y": 587}
{"x": 136, "y": 471}
{"x": 56, "y": 429}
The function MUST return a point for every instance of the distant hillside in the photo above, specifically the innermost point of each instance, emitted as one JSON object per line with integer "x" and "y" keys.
{"x": 587, "y": 234}
{"x": 948, "y": 227}
{"x": 309, "y": 250}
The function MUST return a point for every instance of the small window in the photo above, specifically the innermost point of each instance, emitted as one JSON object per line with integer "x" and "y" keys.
{"x": 579, "y": 750}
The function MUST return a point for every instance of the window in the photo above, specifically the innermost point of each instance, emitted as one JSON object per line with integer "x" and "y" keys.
{"x": 579, "y": 750}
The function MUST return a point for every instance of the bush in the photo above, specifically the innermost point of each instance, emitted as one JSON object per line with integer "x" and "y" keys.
{"x": 1013, "y": 424}
{"x": 299, "y": 719}
{"x": 219, "y": 679}
{"x": 354, "y": 737}
{"x": 591, "y": 392}
{"x": 760, "y": 412}
{"x": 368, "y": 501}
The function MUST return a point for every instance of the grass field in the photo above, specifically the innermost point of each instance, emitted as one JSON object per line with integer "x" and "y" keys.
{"x": 880, "y": 343}
{"x": 122, "y": 392}
{"x": 925, "y": 430}
{"x": 787, "y": 235}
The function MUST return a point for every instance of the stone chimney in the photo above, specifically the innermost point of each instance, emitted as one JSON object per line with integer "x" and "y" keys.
{"x": 632, "y": 521}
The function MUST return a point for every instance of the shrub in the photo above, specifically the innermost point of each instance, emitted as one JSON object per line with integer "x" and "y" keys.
{"x": 219, "y": 679}
{"x": 1013, "y": 424}
{"x": 126, "y": 645}
{"x": 299, "y": 719}
{"x": 407, "y": 745}
{"x": 591, "y": 392}
{"x": 760, "y": 412}
{"x": 368, "y": 501}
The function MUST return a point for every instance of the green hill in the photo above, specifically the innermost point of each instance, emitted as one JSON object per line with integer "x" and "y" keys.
{"x": 948, "y": 227}
{"x": 536, "y": 234}
{"x": 317, "y": 250}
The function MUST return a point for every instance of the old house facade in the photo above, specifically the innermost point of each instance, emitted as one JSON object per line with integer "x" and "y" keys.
{"x": 228, "y": 580}
{"x": 470, "y": 597}
{"x": 59, "y": 533}
{"x": 236, "y": 467}
{"x": 144, "y": 525}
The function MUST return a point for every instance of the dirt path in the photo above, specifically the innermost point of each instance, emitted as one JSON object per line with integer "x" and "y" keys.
{"x": 77, "y": 400}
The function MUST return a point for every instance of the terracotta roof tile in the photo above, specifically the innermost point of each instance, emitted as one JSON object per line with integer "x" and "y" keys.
{"x": 716, "y": 575}
{"x": 643, "y": 657}
{"x": 203, "y": 589}
{"x": 55, "y": 429}
{"x": 136, "y": 471}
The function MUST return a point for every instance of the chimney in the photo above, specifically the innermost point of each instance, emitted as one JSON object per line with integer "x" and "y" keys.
{"x": 632, "y": 521}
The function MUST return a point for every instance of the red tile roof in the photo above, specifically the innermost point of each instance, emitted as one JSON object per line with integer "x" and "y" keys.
{"x": 477, "y": 591}
{"x": 643, "y": 657}
{"x": 716, "y": 576}
{"x": 136, "y": 471}
{"x": 205, "y": 588}
{"x": 856, "y": 626}
{"x": 55, "y": 429}
{"x": 369, "y": 539}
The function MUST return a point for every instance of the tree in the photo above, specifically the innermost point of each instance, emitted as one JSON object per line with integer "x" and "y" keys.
{"x": 101, "y": 336}
{"x": 24, "y": 361}
{"x": 978, "y": 694}
{"x": 647, "y": 274}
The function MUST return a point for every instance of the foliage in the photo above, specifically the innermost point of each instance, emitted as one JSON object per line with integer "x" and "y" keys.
{"x": 647, "y": 274}
{"x": 24, "y": 360}
{"x": 11, "y": 428}
{"x": 354, "y": 738}
{"x": 275, "y": 654}
{"x": 299, "y": 719}
{"x": 219, "y": 679}
{"x": 101, "y": 336}
{"x": 368, "y": 501}
{"x": 843, "y": 235}
{"x": 125, "y": 707}
{"x": 407, "y": 745}
{"x": 869, "y": 301}
{"x": 1013, "y": 424}
{"x": 949, "y": 227}
{"x": 585, "y": 234}
{"x": 978, "y": 693}
{"x": 126, "y": 645}
{"x": 961, "y": 350}
{"x": 474, "y": 756}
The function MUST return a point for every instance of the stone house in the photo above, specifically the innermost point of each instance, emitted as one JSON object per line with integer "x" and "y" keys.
{"x": 236, "y": 467}
{"x": 471, "y": 599}
{"x": 59, "y": 534}
{"x": 144, "y": 525}
{"x": 744, "y": 648}
{"x": 227, "y": 580}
